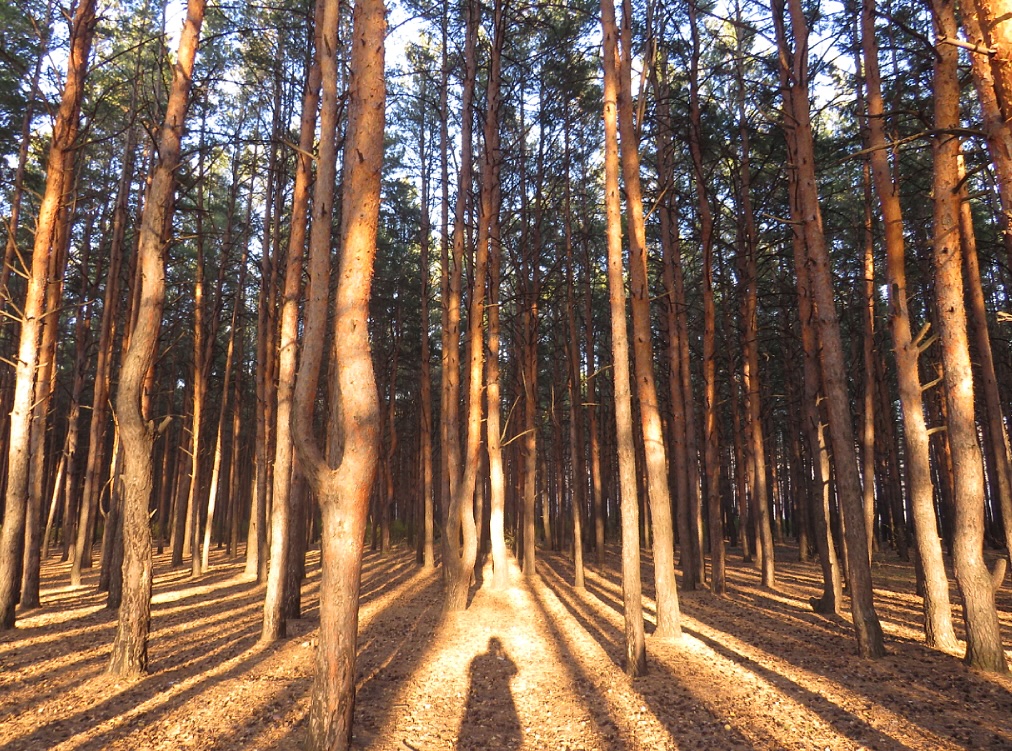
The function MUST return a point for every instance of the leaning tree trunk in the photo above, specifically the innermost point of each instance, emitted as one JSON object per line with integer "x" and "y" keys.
{"x": 635, "y": 649}
{"x": 58, "y": 184}
{"x": 999, "y": 135}
{"x": 343, "y": 486}
{"x": 983, "y": 635}
{"x": 834, "y": 373}
{"x": 937, "y": 611}
{"x": 130, "y": 647}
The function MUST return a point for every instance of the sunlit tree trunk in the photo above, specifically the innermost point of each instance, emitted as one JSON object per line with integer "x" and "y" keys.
{"x": 999, "y": 136}
{"x": 45, "y": 387}
{"x": 635, "y": 650}
{"x": 834, "y": 379}
{"x": 994, "y": 418}
{"x": 491, "y": 164}
{"x": 646, "y": 390}
{"x": 937, "y": 612}
{"x": 342, "y": 484}
{"x": 230, "y": 358}
{"x": 130, "y": 647}
{"x": 867, "y": 411}
{"x": 58, "y": 184}
{"x": 460, "y": 536}
{"x": 983, "y": 635}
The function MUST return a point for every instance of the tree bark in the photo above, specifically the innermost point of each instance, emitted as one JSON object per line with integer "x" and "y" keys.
{"x": 983, "y": 636}
{"x": 58, "y": 184}
{"x": 937, "y": 612}
{"x": 459, "y": 534}
{"x": 635, "y": 649}
{"x": 492, "y": 164}
{"x": 750, "y": 380}
{"x": 866, "y": 624}
{"x": 130, "y": 647}
{"x": 274, "y": 626}
{"x": 646, "y": 390}
{"x": 343, "y": 486}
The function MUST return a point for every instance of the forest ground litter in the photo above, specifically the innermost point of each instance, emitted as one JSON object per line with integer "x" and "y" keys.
{"x": 536, "y": 666}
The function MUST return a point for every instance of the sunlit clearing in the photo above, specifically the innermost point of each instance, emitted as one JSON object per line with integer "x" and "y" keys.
{"x": 637, "y": 724}
{"x": 499, "y": 651}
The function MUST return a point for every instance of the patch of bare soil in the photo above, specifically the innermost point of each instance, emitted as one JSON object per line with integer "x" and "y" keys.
{"x": 536, "y": 666}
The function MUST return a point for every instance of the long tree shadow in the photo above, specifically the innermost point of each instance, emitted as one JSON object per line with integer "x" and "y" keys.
{"x": 122, "y": 704}
{"x": 193, "y": 650}
{"x": 898, "y": 684}
{"x": 490, "y": 717}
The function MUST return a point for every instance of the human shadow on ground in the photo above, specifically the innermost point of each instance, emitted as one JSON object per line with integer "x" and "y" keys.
{"x": 490, "y": 718}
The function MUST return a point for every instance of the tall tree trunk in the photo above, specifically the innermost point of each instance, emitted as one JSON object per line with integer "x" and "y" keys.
{"x": 342, "y": 487}
{"x": 834, "y": 379}
{"x": 492, "y": 163}
{"x": 256, "y": 536}
{"x": 867, "y": 411}
{"x": 427, "y": 541}
{"x": 999, "y": 136}
{"x": 45, "y": 387}
{"x": 754, "y": 426}
{"x": 711, "y": 447}
{"x": 17, "y": 192}
{"x": 994, "y": 417}
{"x": 577, "y": 472}
{"x": 937, "y": 611}
{"x": 646, "y": 390}
{"x": 274, "y": 626}
{"x": 983, "y": 635}
{"x": 460, "y": 535}
{"x": 635, "y": 649}
{"x": 130, "y": 647}
{"x": 58, "y": 184}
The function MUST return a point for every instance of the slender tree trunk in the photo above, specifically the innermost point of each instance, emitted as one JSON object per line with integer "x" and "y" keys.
{"x": 58, "y": 184}
{"x": 983, "y": 636}
{"x": 44, "y": 389}
{"x": 274, "y": 626}
{"x": 17, "y": 192}
{"x": 937, "y": 611}
{"x": 577, "y": 472}
{"x": 130, "y": 647}
{"x": 867, "y": 412}
{"x": 460, "y": 537}
{"x": 428, "y": 553}
{"x": 711, "y": 447}
{"x": 492, "y": 163}
{"x": 994, "y": 417}
{"x": 646, "y": 389}
{"x": 999, "y": 136}
{"x": 596, "y": 482}
{"x": 866, "y": 624}
{"x": 635, "y": 649}
{"x": 754, "y": 426}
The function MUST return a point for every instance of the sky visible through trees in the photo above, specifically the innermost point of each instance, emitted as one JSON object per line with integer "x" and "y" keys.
{"x": 569, "y": 340}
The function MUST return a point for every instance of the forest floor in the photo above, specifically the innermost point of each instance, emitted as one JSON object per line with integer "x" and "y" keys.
{"x": 537, "y": 666}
